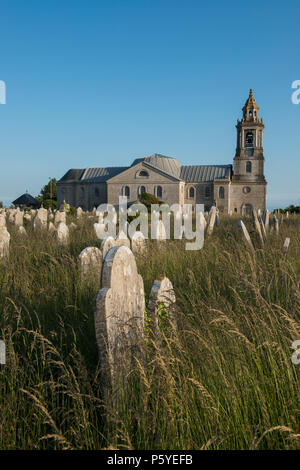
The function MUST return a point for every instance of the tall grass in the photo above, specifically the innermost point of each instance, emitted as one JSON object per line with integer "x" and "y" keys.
{"x": 224, "y": 380}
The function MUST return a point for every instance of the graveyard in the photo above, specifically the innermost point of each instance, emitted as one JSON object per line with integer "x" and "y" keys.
{"x": 142, "y": 344}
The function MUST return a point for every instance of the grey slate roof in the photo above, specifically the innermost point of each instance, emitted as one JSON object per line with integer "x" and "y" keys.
{"x": 99, "y": 175}
{"x": 168, "y": 165}
{"x": 198, "y": 173}
{"x": 73, "y": 175}
{"x": 26, "y": 200}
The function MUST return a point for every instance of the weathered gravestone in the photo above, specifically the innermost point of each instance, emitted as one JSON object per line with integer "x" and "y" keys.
{"x": 22, "y": 230}
{"x": 161, "y": 307}
{"x": 107, "y": 244}
{"x": 99, "y": 229}
{"x": 11, "y": 215}
{"x": 52, "y": 228}
{"x": 62, "y": 232}
{"x": 40, "y": 220}
{"x": 89, "y": 261}
{"x": 60, "y": 216}
{"x": 286, "y": 245}
{"x": 211, "y": 220}
{"x": 27, "y": 217}
{"x": 246, "y": 235}
{"x": 119, "y": 318}
{"x": 18, "y": 220}
{"x": 160, "y": 231}
{"x": 4, "y": 242}
{"x": 258, "y": 227}
{"x": 138, "y": 242}
{"x": 79, "y": 212}
{"x": 122, "y": 240}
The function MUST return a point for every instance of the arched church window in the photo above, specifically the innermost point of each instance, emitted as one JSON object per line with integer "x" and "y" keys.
{"x": 144, "y": 173}
{"x": 159, "y": 191}
{"x": 141, "y": 190}
{"x": 248, "y": 167}
{"x": 221, "y": 192}
{"x": 191, "y": 192}
{"x": 127, "y": 191}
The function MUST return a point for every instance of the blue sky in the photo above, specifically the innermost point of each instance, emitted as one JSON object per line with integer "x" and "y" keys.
{"x": 96, "y": 83}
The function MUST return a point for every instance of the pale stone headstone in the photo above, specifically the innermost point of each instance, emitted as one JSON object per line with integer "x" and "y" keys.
{"x": 267, "y": 220}
{"x": 119, "y": 317}
{"x": 4, "y": 242}
{"x": 89, "y": 261}
{"x": 107, "y": 244}
{"x": 79, "y": 212}
{"x": 276, "y": 225}
{"x": 2, "y": 220}
{"x": 11, "y": 215}
{"x": 122, "y": 240}
{"x": 40, "y": 220}
{"x": 161, "y": 305}
{"x": 286, "y": 244}
{"x": 160, "y": 231}
{"x": 258, "y": 229}
{"x": 62, "y": 233}
{"x": 60, "y": 216}
{"x": 22, "y": 230}
{"x": 138, "y": 242}
{"x": 217, "y": 220}
{"x": 27, "y": 217}
{"x": 263, "y": 230}
{"x": 2, "y": 352}
{"x": 52, "y": 228}
{"x": 246, "y": 235}
{"x": 18, "y": 220}
{"x": 99, "y": 229}
{"x": 211, "y": 220}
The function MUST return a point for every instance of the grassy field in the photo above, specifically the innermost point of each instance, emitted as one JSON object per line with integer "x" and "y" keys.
{"x": 225, "y": 381}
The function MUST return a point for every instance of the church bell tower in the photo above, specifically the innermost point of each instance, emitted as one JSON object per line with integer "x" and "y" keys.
{"x": 248, "y": 169}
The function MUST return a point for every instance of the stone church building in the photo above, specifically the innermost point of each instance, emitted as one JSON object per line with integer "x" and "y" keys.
{"x": 236, "y": 188}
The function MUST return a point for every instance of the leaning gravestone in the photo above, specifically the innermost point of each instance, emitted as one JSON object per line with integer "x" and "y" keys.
{"x": 40, "y": 220}
{"x": 89, "y": 261}
{"x": 4, "y": 242}
{"x": 107, "y": 244}
{"x": 62, "y": 233}
{"x": 246, "y": 235}
{"x": 161, "y": 306}
{"x": 119, "y": 318}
